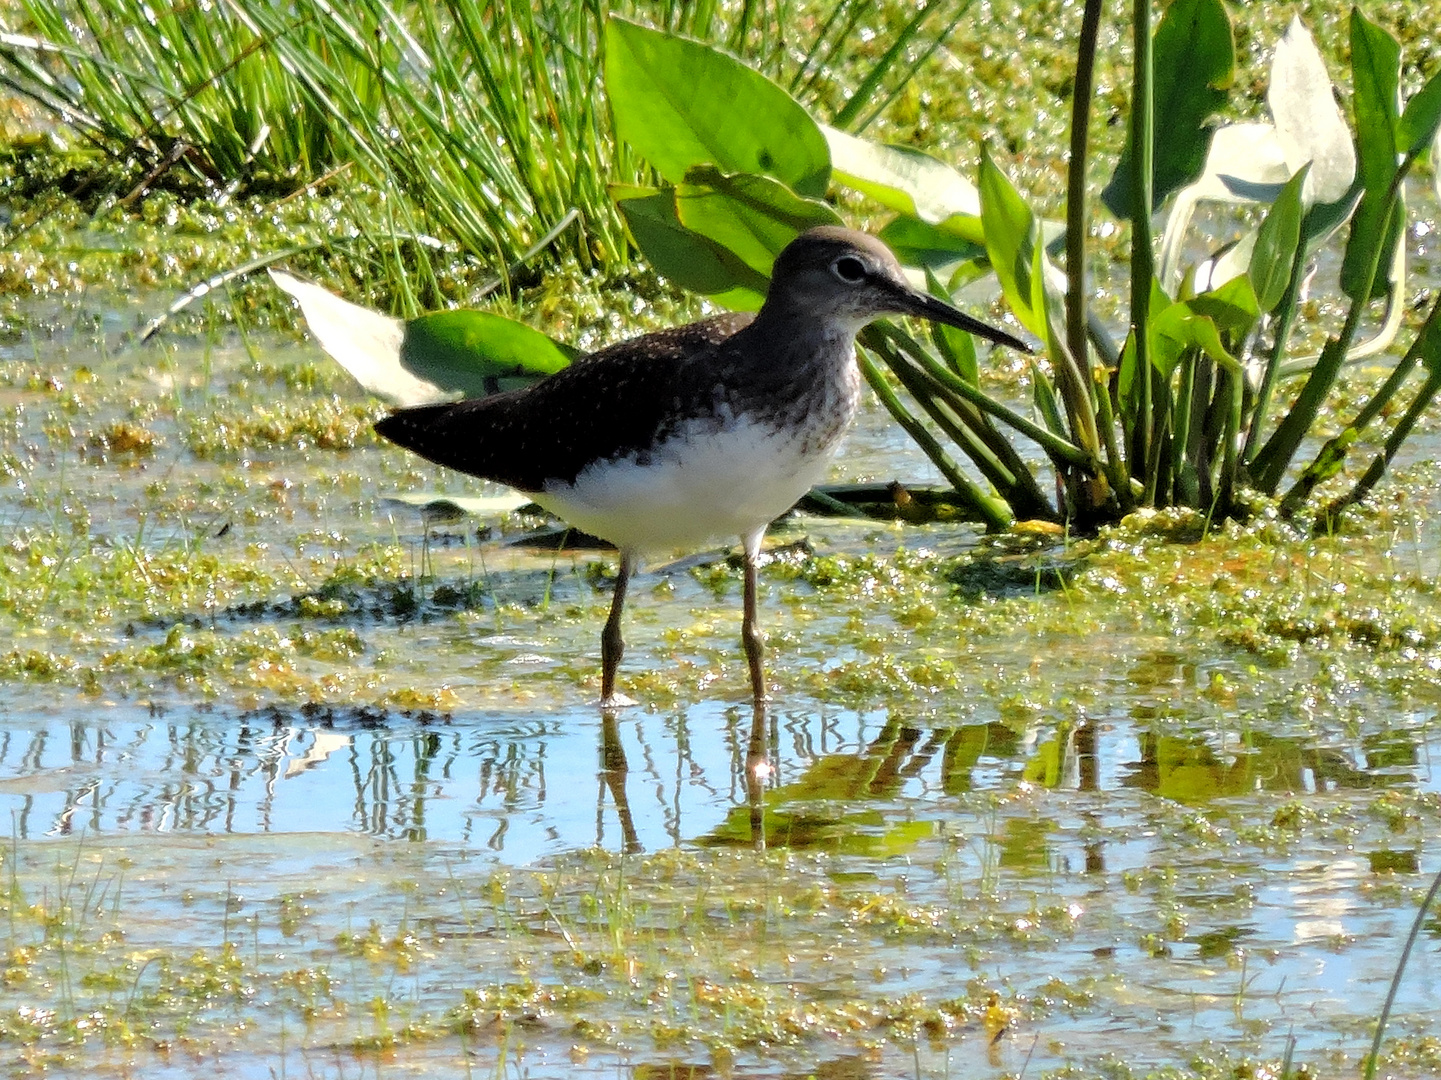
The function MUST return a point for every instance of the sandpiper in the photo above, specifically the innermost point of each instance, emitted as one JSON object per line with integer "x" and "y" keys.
{"x": 696, "y": 433}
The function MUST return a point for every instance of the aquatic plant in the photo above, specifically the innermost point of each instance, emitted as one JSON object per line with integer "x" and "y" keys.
{"x": 1187, "y": 410}
{"x": 481, "y": 120}
{"x": 193, "y": 88}
{"x": 482, "y": 124}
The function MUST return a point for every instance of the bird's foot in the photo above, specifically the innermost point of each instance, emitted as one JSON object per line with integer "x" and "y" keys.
{"x": 617, "y": 700}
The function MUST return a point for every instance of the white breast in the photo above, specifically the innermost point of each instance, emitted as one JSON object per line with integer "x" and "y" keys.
{"x": 702, "y": 484}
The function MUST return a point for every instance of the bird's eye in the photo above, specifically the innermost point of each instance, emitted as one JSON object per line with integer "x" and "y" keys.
{"x": 849, "y": 269}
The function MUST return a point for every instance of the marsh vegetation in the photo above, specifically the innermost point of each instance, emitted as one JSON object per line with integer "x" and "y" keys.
{"x": 303, "y": 782}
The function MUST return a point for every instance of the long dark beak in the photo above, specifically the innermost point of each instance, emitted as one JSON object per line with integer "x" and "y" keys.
{"x": 925, "y": 306}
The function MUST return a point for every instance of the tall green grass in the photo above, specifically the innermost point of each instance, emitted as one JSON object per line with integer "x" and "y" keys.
{"x": 190, "y": 85}
{"x": 482, "y": 123}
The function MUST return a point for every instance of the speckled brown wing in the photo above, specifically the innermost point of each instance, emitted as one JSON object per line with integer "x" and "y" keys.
{"x": 609, "y": 404}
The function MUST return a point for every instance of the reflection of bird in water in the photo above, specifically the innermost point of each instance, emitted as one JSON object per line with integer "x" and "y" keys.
{"x": 703, "y": 431}
{"x": 615, "y": 771}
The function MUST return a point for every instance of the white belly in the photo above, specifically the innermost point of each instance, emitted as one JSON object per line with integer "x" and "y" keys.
{"x": 699, "y": 486}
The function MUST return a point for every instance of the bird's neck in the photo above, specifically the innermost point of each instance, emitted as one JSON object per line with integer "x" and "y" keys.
{"x": 786, "y": 342}
{"x": 782, "y": 317}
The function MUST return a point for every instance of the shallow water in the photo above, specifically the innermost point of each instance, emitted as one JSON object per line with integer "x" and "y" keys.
{"x": 1062, "y": 783}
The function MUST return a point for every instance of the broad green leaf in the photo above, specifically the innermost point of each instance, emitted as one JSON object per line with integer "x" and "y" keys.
{"x": 1195, "y": 61}
{"x": 1043, "y": 396}
{"x": 1180, "y": 328}
{"x": 435, "y": 357}
{"x": 1245, "y": 164}
{"x": 1126, "y": 379}
{"x": 1435, "y": 158}
{"x": 1422, "y": 118}
{"x": 1309, "y": 124}
{"x": 1050, "y": 296}
{"x": 1323, "y": 219}
{"x": 1013, "y": 238}
{"x": 1250, "y": 162}
{"x": 1231, "y": 261}
{"x": 478, "y": 352}
{"x": 365, "y": 343}
{"x": 1376, "y": 76}
{"x": 1169, "y": 341}
{"x": 963, "y": 274}
{"x": 1204, "y": 334}
{"x": 956, "y": 347}
{"x": 685, "y": 257}
{"x": 918, "y": 244}
{"x": 753, "y": 217}
{"x": 1276, "y": 241}
{"x": 681, "y": 104}
{"x": 1232, "y": 306}
{"x": 908, "y": 181}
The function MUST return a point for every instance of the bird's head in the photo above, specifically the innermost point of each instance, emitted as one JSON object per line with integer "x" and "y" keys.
{"x": 847, "y": 277}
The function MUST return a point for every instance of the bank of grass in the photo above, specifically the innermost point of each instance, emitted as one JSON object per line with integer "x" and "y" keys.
{"x": 436, "y": 150}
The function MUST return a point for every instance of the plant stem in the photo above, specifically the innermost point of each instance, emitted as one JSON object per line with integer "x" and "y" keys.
{"x": 1285, "y": 317}
{"x": 1058, "y": 448}
{"x": 1422, "y": 348}
{"x": 1231, "y": 384}
{"x": 1014, "y": 481}
{"x": 1382, "y": 460}
{"x": 1076, "y": 206}
{"x": 1180, "y": 444}
{"x": 1097, "y": 386}
{"x": 977, "y": 423}
{"x": 1276, "y": 455}
{"x": 1143, "y": 266}
{"x": 1329, "y": 459}
{"x": 1396, "y": 979}
{"x": 924, "y": 390}
{"x": 991, "y": 511}
{"x": 1106, "y": 421}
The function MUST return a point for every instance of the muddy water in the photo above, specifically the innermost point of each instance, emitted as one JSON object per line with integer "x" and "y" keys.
{"x": 289, "y": 775}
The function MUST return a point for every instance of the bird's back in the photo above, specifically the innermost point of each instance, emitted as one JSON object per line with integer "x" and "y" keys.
{"x": 612, "y": 403}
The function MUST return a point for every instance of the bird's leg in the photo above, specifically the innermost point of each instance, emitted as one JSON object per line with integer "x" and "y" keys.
{"x": 612, "y": 647}
{"x": 613, "y": 773}
{"x": 755, "y": 641}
